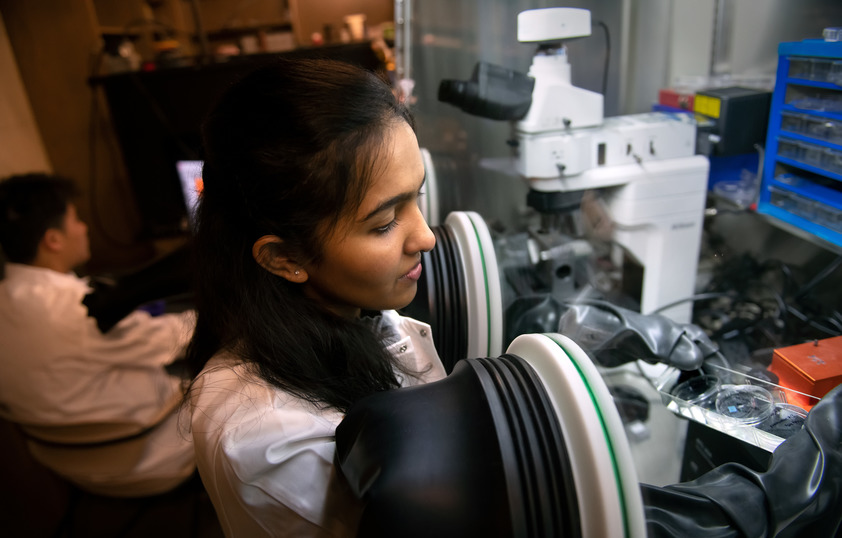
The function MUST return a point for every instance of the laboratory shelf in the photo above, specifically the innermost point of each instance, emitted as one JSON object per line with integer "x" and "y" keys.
{"x": 801, "y": 186}
{"x": 811, "y": 166}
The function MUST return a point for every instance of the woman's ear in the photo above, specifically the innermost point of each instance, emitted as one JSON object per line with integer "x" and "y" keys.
{"x": 269, "y": 253}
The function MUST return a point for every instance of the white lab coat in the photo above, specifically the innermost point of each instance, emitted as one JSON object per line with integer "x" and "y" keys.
{"x": 266, "y": 457}
{"x": 64, "y": 381}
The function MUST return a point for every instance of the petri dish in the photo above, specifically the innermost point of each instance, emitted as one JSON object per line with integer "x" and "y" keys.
{"x": 700, "y": 390}
{"x": 785, "y": 421}
{"x": 746, "y": 404}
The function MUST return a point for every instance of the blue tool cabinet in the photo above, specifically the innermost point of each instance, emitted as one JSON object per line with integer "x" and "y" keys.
{"x": 801, "y": 183}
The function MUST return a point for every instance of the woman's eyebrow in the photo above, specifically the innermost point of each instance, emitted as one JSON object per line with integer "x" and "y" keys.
{"x": 394, "y": 201}
{"x": 390, "y": 203}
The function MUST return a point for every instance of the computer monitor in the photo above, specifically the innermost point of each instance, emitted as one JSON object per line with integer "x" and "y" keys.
{"x": 190, "y": 177}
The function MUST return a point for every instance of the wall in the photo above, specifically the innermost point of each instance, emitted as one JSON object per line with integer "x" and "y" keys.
{"x": 691, "y": 36}
{"x": 739, "y": 39}
{"x": 759, "y": 25}
{"x": 55, "y": 46}
{"x": 21, "y": 148}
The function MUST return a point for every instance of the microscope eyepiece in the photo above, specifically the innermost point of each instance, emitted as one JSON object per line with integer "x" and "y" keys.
{"x": 493, "y": 92}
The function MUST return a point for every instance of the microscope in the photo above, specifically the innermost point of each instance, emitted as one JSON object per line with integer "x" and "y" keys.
{"x": 631, "y": 182}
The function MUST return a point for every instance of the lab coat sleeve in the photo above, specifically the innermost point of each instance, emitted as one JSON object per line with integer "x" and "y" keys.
{"x": 141, "y": 339}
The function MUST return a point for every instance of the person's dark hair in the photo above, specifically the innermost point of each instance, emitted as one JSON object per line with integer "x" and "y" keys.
{"x": 30, "y": 204}
{"x": 289, "y": 149}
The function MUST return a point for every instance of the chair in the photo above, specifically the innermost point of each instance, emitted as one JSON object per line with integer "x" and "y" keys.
{"x": 34, "y": 500}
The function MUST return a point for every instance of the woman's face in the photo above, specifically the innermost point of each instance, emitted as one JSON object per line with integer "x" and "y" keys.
{"x": 372, "y": 259}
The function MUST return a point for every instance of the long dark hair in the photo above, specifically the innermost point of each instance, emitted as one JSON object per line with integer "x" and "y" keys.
{"x": 289, "y": 149}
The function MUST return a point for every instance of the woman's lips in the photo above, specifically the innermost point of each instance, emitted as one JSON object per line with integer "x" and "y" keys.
{"x": 414, "y": 273}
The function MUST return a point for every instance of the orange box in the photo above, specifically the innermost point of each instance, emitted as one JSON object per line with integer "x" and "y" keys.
{"x": 814, "y": 368}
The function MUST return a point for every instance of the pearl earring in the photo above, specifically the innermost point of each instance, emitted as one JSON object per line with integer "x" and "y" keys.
{"x": 297, "y": 272}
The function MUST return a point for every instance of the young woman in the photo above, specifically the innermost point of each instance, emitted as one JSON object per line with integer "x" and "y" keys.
{"x": 308, "y": 238}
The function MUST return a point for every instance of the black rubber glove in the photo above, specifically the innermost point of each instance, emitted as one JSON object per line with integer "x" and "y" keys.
{"x": 799, "y": 495}
{"x": 613, "y": 336}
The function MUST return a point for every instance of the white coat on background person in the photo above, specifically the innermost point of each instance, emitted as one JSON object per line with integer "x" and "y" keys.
{"x": 99, "y": 409}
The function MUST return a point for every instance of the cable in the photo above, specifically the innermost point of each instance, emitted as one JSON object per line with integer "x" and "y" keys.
{"x": 835, "y": 322}
{"x": 96, "y": 219}
{"x": 694, "y": 298}
{"x": 810, "y": 322}
{"x": 784, "y": 268}
{"x": 824, "y": 273}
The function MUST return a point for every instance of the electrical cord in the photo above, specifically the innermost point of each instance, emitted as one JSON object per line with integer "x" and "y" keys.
{"x": 694, "y": 298}
{"x": 810, "y": 322}
{"x": 93, "y": 177}
{"x": 824, "y": 273}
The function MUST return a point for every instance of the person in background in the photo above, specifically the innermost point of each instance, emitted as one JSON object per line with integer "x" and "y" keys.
{"x": 309, "y": 237}
{"x": 98, "y": 407}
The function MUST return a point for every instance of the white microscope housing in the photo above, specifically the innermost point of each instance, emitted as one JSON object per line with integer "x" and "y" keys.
{"x": 654, "y": 185}
{"x": 556, "y": 103}
{"x": 651, "y": 186}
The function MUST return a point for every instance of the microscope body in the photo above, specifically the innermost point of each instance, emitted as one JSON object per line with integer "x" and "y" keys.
{"x": 651, "y": 186}
{"x": 650, "y": 181}
{"x": 556, "y": 103}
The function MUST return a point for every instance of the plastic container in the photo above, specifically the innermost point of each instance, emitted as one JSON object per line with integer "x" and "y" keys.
{"x": 700, "y": 390}
{"x": 835, "y": 75}
{"x": 829, "y": 217}
{"x": 746, "y": 405}
{"x": 812, "y": 154}
{"x": 790, "y": 149}
{"x": 834, "y": 129}
{"x": 821, "y": 70}
{"x": 793, "y": 123}
{"x": 832, "y": 160}
{"x": 741, "y": 193}
{"x": 785, "y": 421}
{"x": 800, "y": 67}
{"x": 813, "y": 98}
{"x": 822, "y": 128}
{"x": 832, "y": 33}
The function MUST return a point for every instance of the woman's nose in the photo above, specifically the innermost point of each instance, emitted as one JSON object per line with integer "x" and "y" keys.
{"x": 421, "y": 239}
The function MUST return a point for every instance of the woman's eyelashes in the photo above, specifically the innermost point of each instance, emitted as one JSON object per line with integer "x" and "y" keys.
{"x": 402, "y": 207}
{"x": 382, "y": 230}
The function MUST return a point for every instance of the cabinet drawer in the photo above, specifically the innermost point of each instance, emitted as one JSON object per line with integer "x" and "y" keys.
{"x": 821, "y": 128}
